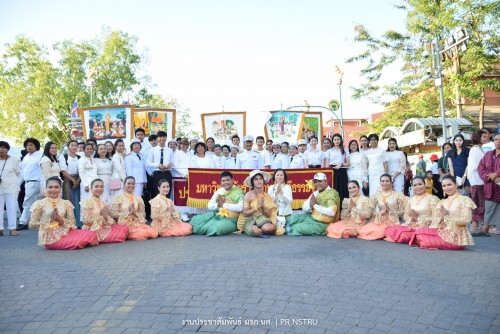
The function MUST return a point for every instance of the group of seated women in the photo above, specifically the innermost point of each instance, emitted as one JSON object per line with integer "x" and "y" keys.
{"x": 422, "y": 220}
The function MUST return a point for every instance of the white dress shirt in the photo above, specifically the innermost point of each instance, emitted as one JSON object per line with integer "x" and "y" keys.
{"x": 87, "y": 170}
{"x": 71, "y": 166}
{"x": 30, "y": 167}
{"x": 232, "y": 163}
{"x": 118, "y": 162}
{"x": 134, "y": 166}
{"x": 154, "y": 157}
{"x": 181, "y": 163}
{"x": 251, "y": 160}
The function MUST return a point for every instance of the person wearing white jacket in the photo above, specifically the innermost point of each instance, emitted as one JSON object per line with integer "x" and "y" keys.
{"x": 134, "y": 166}
{"x": 87, "y": 170}
{"x": 119, "y": 171}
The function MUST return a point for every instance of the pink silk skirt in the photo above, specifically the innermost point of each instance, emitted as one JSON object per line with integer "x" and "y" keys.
{"x": 142, "y": 232}
{"x": 399, "y": 234}
{"x": 118, "y": 234}
{"x": 372, "y": 231}
{"x": 179, "y": 229}
{"x": 75, "y": 239}
{"x": 340, "y": 230}
{"x": 429, "y": 238}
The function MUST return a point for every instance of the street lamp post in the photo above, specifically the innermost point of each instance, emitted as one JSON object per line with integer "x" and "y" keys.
{"x": 439, "y": 83}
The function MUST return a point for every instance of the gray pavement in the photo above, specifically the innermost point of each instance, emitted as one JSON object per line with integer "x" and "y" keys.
{"x": 238, "y": 284}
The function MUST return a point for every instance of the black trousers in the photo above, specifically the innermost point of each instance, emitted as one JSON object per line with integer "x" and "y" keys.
{"x": 157, "y": 176}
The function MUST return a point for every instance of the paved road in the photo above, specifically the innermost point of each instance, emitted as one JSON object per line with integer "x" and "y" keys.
{"x": 284, "y": 284}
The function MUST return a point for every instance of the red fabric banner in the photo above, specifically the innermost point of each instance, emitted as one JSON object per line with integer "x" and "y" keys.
{"x": 202, "y": 183}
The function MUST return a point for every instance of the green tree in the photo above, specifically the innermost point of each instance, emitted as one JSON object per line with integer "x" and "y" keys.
{"x": 464, "y": 71}
{"x": 28, "y": 92}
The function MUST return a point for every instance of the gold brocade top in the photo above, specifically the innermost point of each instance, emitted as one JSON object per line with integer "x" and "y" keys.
{"x": 164, "y": 214}
{"x": 92, "y": 219}
{"x": 424, "y": 207}
{"x": 453, "y": 228}
{"x": 328, "y": 198}
{"x": 395, "y": 201}
{"x": 120, "y": 209}
{"x": 268, "y": 204}
{"x": 360, "y": 212}
{"x": 51, "y": 232}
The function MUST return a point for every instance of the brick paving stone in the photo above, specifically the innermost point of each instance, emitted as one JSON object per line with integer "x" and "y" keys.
{"x": 350, "y": 286}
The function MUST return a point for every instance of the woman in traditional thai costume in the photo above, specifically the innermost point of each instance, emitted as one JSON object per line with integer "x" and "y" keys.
{"x": 449, "y": 222}
{"x": 281, "y": 194}
{"x": 388, "y": 206}
{"x": 97, "y": 216}
{"x": 55, "y": 219}
{"x": 129, "y": 209}
{"x": 165, "y": 217}
{"x": 258, "y": 218}
{"x": 49, "y": 166}
{"x": 417, "y": 214}
{"x": 355, "y": 211}
{"x": 225, "y": 207}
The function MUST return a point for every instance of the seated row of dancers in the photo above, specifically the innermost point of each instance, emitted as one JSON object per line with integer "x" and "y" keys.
{"x": 428, "y": 222}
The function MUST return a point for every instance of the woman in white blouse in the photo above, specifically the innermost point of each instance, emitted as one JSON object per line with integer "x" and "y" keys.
{"x": 71, "y": 185}
{"x": 200, "y": 160}
{"x": 396, "y": 164}
{"x": 9, "y": 188}
{"x": 87, "y": 171}
{"x": 294, "y": 159}
{"x": 358, "y": 165}
{"x": 281, "y": 193}
{"x": 313, "y": 155}
{"x": 119, "y": 172}
{"x": 232, "y": 162}
{"x": 49, "y": 166}
{"x": 134, "y": 166}
{"x": 217, "y": 158}
{"x": 336, "y": 159}
{"x": 104, "y": 166}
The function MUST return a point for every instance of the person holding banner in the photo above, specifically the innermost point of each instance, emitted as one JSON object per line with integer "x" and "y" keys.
{"x": 321, "y": 209}
{"x": 233, "y": 161}
{"x": 250, "y": 159}
{"x": 200, "y": 159}
{"x": 295, "y": 161}
{"x": 355, "y": 211}
{"x": 313, "y": 155}
{"x": 165, "y": 217}
{"x": 181, "y": 159}
{"x": 259, "y": 211}
{"x": 225, "y": 205}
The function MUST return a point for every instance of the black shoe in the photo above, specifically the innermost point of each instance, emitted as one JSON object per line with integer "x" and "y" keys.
{"x": 22, "y": 227}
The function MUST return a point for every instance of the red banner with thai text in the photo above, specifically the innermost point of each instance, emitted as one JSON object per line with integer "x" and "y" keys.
{"x": 201, "y": 184}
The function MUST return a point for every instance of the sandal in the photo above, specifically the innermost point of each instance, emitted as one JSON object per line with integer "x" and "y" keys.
{"x": 14, "y": 233}
{"x": 495, "y": 231}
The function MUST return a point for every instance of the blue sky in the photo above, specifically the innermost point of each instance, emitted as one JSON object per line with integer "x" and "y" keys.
{"x": 246, "y": 55}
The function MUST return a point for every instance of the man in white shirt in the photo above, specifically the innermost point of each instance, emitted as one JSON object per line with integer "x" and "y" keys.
{"x": 140, "y": 135}
{"x": 266, "y": 157}
{"x": 181, "y": 160}
{"x": 160, "y": 161}
{"x": 250, "y": 159}
{"x": 30, "y": 174}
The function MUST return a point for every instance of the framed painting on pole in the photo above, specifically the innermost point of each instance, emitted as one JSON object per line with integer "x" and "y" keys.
{"x": 223, "y": 125}
{"x": 108, "y": 123}
{"x": 153, "y": 120}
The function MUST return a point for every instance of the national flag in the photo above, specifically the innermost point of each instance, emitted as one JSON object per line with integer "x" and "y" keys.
{"x": 74, "y": 111}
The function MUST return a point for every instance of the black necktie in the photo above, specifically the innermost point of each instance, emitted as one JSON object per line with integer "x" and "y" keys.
{"x": 161, "y": 157}
{"x": 234, "y": 160}
{"x": 139, "y": 156}
{"x": 291, "y": 158}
